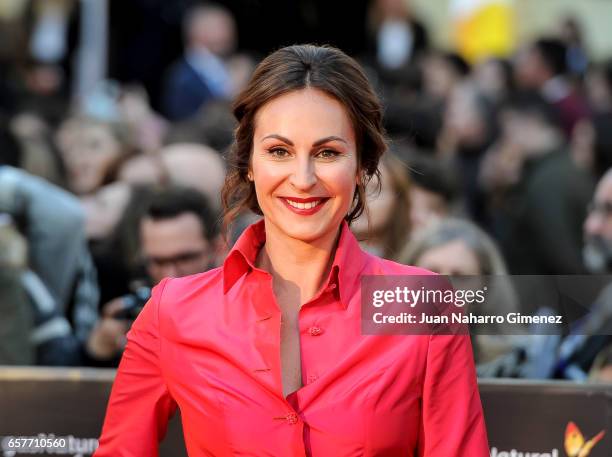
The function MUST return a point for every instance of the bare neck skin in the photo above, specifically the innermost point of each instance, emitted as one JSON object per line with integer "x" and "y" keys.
{"x": 298, "y": 268}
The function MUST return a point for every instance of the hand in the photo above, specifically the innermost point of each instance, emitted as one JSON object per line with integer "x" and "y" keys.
{"x": 107, "y": 339}
{"x": 113, "y": 307}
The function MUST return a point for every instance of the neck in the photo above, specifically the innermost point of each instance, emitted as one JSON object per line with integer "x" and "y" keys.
{"x": 298, "y": 268}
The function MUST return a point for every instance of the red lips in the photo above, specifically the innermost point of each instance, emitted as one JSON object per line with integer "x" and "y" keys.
{"x": 305, "y": 211}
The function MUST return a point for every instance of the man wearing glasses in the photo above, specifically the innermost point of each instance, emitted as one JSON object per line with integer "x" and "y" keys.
{"x": 179, "y": 236}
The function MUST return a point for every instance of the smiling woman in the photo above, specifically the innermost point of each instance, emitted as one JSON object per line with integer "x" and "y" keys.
{"x": 308, "y": 168}
{"x": 282, "y": 81}
{"x": 264, "y": 355}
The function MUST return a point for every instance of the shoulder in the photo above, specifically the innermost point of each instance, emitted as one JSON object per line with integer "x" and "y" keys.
{"x": 197, "y": 284}
{"x": 181, "y": 300}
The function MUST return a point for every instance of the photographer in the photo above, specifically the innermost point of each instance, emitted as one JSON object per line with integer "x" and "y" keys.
{"x": 178, "y": 237}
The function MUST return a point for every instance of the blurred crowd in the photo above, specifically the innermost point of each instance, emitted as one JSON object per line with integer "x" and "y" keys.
{"x": 500, "y": 166}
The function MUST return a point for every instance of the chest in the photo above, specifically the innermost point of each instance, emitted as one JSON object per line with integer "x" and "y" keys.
{"x": 290, "y": 357}
{"x": 360, "y": 396}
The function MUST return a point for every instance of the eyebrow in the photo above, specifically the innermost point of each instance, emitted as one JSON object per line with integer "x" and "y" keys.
{"x": 316, "y": 143}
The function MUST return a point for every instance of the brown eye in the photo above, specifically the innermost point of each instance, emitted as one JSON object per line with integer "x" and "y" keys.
{"x": 328, "y": 153}
{"x": 278, "y": 152}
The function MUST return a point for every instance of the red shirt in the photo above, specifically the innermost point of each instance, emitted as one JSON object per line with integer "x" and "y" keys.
{"x": 210, "y": 343}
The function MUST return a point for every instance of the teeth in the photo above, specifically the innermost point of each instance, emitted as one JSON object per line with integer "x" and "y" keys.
{"x": 308, "y": 205}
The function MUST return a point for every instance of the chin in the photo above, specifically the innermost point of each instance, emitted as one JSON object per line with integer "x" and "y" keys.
{"x": 308, "y": 231}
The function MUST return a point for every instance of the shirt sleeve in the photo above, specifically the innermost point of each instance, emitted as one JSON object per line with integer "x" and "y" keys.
{"x": 140, "y": 404}
{"x": 452, "y": 421}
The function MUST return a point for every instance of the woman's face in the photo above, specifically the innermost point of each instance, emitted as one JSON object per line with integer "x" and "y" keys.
{"x": 462, "y": 116}
{"x": 426, "y": 207}
{"x": 438, "y": 77}
{"x": 304, "y": 164}
{"x": 489, "y": 76}
{"x": 452, "y": 258}
{"x": 88, "y": 152}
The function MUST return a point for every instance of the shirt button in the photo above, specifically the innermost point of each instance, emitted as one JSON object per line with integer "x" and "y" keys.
{"x": 315, "y": 331}
{"x": 331, "y": 287}
{"x": 311, "y": 378}
{"x": 291, "y": 418}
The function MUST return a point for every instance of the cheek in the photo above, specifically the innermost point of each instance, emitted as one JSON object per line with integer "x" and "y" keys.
{"x": 263, "y": 171}
{"x": 267, "y": 177}
{"x": 71, "y": 158}
{"x": 103, "y": 156}
{"x": 339, "y": 178}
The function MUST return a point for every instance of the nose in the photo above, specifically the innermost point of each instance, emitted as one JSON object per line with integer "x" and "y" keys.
{"x": 303, "y": 176}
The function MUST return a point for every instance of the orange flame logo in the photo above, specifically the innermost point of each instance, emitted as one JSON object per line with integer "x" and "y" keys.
{"x": 575, "y": 445}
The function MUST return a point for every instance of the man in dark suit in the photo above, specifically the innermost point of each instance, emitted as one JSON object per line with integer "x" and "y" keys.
{"x": 202, "y": 74}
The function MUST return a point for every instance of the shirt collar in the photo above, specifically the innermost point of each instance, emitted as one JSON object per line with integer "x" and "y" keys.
{"x": 344, "y": 274}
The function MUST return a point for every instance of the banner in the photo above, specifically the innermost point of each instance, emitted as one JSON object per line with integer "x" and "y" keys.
{"x": 61, "y": 411}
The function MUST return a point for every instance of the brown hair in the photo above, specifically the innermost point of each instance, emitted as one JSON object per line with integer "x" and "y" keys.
{"x": 293, "y": 68}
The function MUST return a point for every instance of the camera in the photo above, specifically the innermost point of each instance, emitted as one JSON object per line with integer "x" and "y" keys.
{"x": 133, "y": 303}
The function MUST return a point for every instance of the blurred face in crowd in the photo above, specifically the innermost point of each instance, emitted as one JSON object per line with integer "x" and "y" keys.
{"x": 104, "y": 208}
{"x": 213, "y": 29}
{"x": 380, "y": 205}
{"x": 195, "y": 165}
{"x": 490, "y": 78}
{"x": 175, "y": 246}
{"x": 147, "y": 169}
{"x": 598, "y": 90}
{"x": 462, "y": 116}
{"x": 598, "y": 227}
{"x": 530, "y": 70}
{"x": 425, "y": 207}
{"x": 304, "y": 164}
{"x": 439, "y": 77}
{"x": 452, "y": 258}
{"x": 135, "y": 110}
{"x": 528, "y": 132}
{"x": 88, "y": 149}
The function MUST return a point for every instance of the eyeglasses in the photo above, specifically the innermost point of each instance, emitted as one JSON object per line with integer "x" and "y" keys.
{"x": 182, "y": 259}
{"x": 603, "y": 208}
